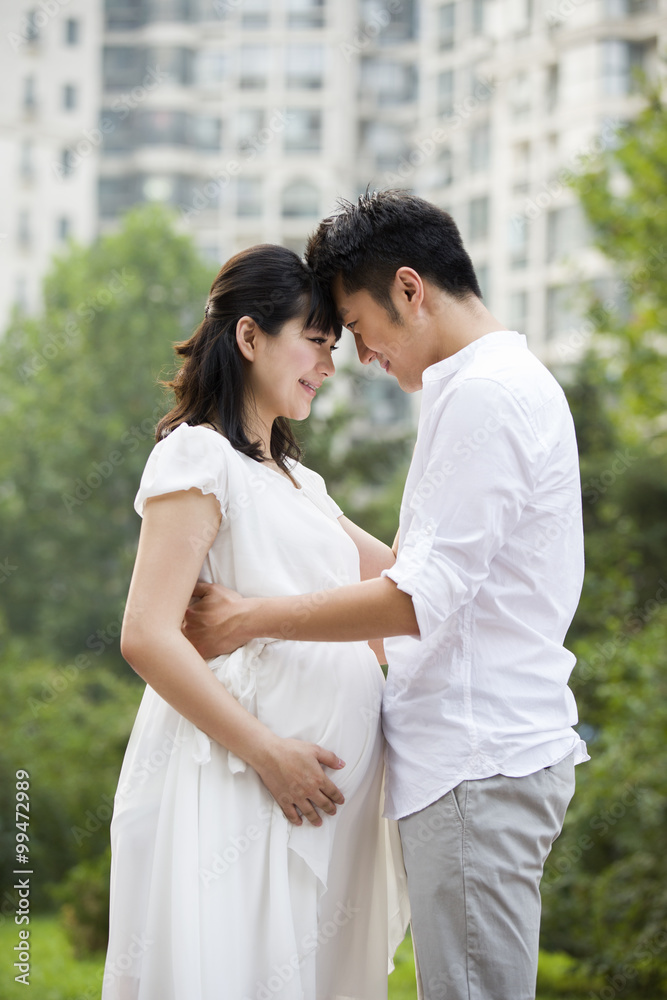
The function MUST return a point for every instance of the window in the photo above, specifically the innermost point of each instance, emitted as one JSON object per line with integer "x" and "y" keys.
{"x": 254, "y": 66}
{"x": 246, "y": 124}
{"x": 384, "y": 142}
{"x": 478, "y": 218}
{"x": 561, "y": 314}
{"x": 521, "y": 168}
{"x": 211, "y": 67}
{"x": 163, "y": 128}
{"x": 116, "y": 194}
{"x": 478, "y": 17}
{"x": 517, "y": 239}
{"x": 520, "y": 95}
{"x": 167, "y": 10}
{"x": 206, "y": 132}
{"x": 124, "y": 15}
{"x": 121, "y": 131}
{"x": 26, "y": 165}
{"x": 388, "y": 81}
{"x": 69, "y": 97}
{"x": 387, "y": 27}
{"x": 480, "y": 148}
{"x": 304, "y": 66}
{"x": 303, "y": 132}
{"x": 446, "y": 25}
{"x": 566, "y": 231}
{"x": 305, "y": 13}
{"x": 63, "y": 228}
{"x": 29, "y": 98}
{"x": 620, "y": 61}
{"x": 628, "y": 8}
{"x": 518, "y": 310}
{"x": 31, "y": 30}
{"x": 123, "y": 66}
{"x": 72, "y": 31}
{"x": 552, "y": 87}
{"x": 66, "y": 166}
{"x": 255, "y": 15}
{"x": 175, "y": 64}
{"x": 248, "y": 197}
{"x": 24, "y": 234}
{"x": 483, "y": 279}
{"x": 446, "y": 92}
{"x": 445, "y": 167}
{"x": 301, "y": 200}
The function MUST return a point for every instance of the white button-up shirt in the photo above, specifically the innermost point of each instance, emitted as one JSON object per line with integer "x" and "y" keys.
{"x": 491, "y": 552}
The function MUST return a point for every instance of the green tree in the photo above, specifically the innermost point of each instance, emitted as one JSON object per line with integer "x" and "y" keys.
{"x": 604, "y": 888}
{"x": 80, "y": 400}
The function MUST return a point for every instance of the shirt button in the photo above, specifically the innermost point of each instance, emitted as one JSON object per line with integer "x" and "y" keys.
{"x": 428, "y": 528}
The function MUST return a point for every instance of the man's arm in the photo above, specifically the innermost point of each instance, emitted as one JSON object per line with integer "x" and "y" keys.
{"x": 374, "y": 609}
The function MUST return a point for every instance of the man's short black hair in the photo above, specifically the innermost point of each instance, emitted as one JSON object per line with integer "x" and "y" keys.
{"x": 367, "y": 241}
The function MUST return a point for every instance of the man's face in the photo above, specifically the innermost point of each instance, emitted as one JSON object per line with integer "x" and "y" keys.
{"x": 376, "y": 335}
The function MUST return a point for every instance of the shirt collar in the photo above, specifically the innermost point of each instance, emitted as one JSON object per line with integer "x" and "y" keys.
{"x": 446, "y": 367}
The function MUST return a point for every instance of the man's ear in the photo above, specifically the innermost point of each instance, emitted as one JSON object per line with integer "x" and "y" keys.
{"x": 246, "y": 337}
{"x": 409, "y": 287}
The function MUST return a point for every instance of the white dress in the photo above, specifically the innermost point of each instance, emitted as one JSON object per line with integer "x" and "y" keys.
{"x": 214, "y": 894}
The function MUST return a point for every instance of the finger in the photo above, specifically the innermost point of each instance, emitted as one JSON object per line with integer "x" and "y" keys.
{"x": 292, "y": 814}
{"x": 201, "y": 588}
{"x": 328, "y": 758}
{"x": 323, "y": 802}
{"x": 310, "y": 813}
{"x": 332, "y": 791}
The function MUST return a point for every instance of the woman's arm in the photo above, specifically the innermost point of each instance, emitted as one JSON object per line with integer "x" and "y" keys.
{"x": 374, "y": 556}
{"x": 175, "y": 535}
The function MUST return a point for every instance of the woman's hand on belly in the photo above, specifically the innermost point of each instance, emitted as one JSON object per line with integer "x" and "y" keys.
{"x": 293, "y": 771}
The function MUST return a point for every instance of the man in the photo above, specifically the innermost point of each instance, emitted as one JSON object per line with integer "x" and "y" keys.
{"x": 477, "y": 713}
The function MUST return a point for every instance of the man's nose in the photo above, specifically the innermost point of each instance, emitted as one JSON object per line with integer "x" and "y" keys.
{"x": 365, "y": 353}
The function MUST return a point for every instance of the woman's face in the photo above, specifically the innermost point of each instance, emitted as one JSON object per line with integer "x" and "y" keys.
{"x": 289, "y": 369}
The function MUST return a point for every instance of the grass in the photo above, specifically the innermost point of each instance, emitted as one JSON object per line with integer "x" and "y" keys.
{"x": 57, "y": 975}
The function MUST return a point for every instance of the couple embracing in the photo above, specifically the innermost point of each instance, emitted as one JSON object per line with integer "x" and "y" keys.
{"x": 255, "y": 863}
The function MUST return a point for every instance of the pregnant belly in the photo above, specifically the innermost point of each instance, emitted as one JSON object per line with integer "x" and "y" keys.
{"x": 324, "y": 693}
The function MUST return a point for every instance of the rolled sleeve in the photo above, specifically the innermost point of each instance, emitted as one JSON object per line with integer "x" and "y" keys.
{"x": 481, "y": 461}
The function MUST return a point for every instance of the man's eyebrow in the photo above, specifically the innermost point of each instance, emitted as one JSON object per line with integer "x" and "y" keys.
{"x": 343, "y": 311}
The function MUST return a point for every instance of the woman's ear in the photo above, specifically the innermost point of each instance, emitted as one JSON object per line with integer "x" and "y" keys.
{"x": 246, "y": 337}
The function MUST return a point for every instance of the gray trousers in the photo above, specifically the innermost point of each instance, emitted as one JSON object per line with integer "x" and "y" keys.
{"x": 474, "y": 861}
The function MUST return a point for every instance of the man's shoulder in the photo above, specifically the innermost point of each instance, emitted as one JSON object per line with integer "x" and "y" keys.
{"x": 516, "y": 372}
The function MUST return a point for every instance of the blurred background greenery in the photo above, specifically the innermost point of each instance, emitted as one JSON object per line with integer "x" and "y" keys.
{"x": 79, "y": 397}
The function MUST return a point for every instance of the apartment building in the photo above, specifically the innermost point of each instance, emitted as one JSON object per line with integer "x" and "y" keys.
{"x": 251, "y": 117}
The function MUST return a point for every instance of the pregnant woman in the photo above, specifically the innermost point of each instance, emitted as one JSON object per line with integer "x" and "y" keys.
{"x": 249, "y": 857}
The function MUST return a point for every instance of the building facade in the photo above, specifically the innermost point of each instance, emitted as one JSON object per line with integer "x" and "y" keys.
{"x": 250, "y": 117}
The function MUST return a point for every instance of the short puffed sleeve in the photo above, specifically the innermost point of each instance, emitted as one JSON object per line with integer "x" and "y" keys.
{"x": 316, "y": 488}
{"x": 187, "y": 458}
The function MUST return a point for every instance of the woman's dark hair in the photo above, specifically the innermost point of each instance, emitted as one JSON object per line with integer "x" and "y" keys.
{"x": 272, "y": 285}
{"x": 366, "y": 242}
